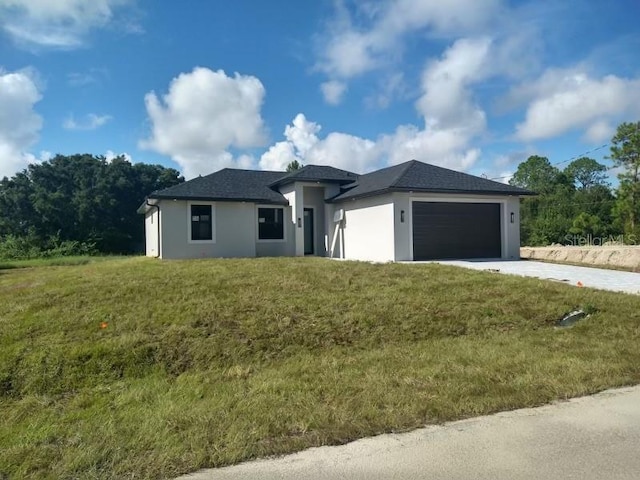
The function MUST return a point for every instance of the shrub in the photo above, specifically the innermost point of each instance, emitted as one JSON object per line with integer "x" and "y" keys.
{"x": 30, "y": 246}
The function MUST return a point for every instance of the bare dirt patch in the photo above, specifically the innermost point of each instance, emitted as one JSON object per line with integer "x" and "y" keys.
{"x": 626, "y": 257}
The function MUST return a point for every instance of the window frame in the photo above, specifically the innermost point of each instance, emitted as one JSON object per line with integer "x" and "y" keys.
{"x": 213, "y": 221}
{"x": 284, "y": 224}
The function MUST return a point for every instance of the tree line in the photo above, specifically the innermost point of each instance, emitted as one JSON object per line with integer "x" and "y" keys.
{"x": 578, "y": 205}
{"x": 84, "y": 203}
{"x": 78, "y": 204}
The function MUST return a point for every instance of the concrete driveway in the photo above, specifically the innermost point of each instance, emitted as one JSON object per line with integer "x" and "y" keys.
{"x": 615, "y": 280}
{"x": 588, "y": 438}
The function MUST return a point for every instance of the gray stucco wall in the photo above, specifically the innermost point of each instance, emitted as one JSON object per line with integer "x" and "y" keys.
{"x": 235, "y": 232}
{"x": 510, "y": 232}
{"x": 368, "y": 231}
{"x": 513, "y": 229}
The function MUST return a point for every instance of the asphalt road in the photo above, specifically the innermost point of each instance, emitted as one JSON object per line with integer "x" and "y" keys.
{"x": 588, "y": 438}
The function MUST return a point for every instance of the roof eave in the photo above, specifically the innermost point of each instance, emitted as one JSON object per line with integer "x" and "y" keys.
{"x": 502, "y": 193}
{"x": 374, "y": 193}
{"x": 432, "y": 190}
{"x": 203, "y": 198}
{"x": 287, "y": 181}
{"x": 145, "y": 206}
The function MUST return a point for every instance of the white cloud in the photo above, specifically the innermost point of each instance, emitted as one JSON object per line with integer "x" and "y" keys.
{"x": 349, "y": 50}
{"x": 513, "y": 158}
{"x": 353, "y": 50}
{"x": 110, "y": 155}
{"x": 304, "y": 145}
{"x": 390, "y": 88}
{"x": 451, "y": 117}
{"x": 55, "y": 23}
{"x": 447, "y": 148}
{"x": 345, "y": 151}
{"x": 563, "y": 100}
{"x": 447, "y": 101}
{"x": 449, "y": 18}
{"x": 333, "y": 91}
{"x": 279, "y": 156}
{"x": 600, "y": 131}
{"x": 301, "y": 136}
{"x": 19, "y": 123}
{"x": 205, "y": 114}
{"x": 90, "y": 122}
{"x": 302, "y": 133}
{"x": 245, "y": 161}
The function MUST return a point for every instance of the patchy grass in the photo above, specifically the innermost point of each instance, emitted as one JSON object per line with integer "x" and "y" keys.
{"x": 210, "y": 362}
{"x": 52, "y": 261}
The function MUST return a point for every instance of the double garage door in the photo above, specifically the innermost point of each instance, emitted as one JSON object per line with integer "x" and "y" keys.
{"x": 456, "y": 230}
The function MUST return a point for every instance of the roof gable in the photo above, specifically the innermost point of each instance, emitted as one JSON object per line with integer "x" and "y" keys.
{"x": 423, "y": 177}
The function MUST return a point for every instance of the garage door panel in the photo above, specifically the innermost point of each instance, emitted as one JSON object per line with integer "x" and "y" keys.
{"x": 456, "y": 230}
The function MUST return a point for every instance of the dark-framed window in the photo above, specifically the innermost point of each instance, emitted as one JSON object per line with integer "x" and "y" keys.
{"x": 270, "y": 223}
{"x": 201, "y": 222}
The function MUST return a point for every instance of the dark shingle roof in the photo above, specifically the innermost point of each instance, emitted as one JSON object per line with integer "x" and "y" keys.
{"x": 317, "y": 173}
{"x": 261, "y": 186}
{"x": 228, "y": 184}
{"x": 422, "y": 177}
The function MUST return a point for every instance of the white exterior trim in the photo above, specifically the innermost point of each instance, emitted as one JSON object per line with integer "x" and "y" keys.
{"x": 284, "y": 226}
{"x": 151, "y": 227}
{"x": 213, "y": 222}
{"x": 295, "y": 196}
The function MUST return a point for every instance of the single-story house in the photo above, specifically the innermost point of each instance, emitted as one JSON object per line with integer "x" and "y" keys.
{"x": 411, "y": 211}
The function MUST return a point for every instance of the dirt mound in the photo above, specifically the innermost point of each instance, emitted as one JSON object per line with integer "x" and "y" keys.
{"x": 617, "y": 256}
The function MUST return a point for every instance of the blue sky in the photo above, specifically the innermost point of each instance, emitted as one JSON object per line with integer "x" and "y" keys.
{"x": 473, "y": 85}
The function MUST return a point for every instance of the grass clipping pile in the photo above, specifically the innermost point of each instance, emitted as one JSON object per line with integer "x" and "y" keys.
{"x": 624, "y": 257}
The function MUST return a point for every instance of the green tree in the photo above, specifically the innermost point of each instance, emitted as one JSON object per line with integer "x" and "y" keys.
{"x": 81, "y": 198}
{"x": 586, "y": 224}
{"x": 536, "y": 174}
{"x": 547, "y": 217}
{"x": 17, "y": 215}
{"x": 585, "y": 172}
{"x": 593, "y": 199}
{"x": 294, "y": 165}
{"x": 625, "y": 153}
{"x": 598, "y": 201}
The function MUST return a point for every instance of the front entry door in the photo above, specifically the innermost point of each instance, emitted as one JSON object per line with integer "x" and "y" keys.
{"x": 308, "y": 231}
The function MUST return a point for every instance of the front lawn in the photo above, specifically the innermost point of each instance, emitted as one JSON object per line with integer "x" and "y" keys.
{"x": 139, "y": 368}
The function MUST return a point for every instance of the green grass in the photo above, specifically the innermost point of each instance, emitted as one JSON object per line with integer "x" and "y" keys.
{"x": 210, "y": 362}
{"x": 52, "y": 261}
